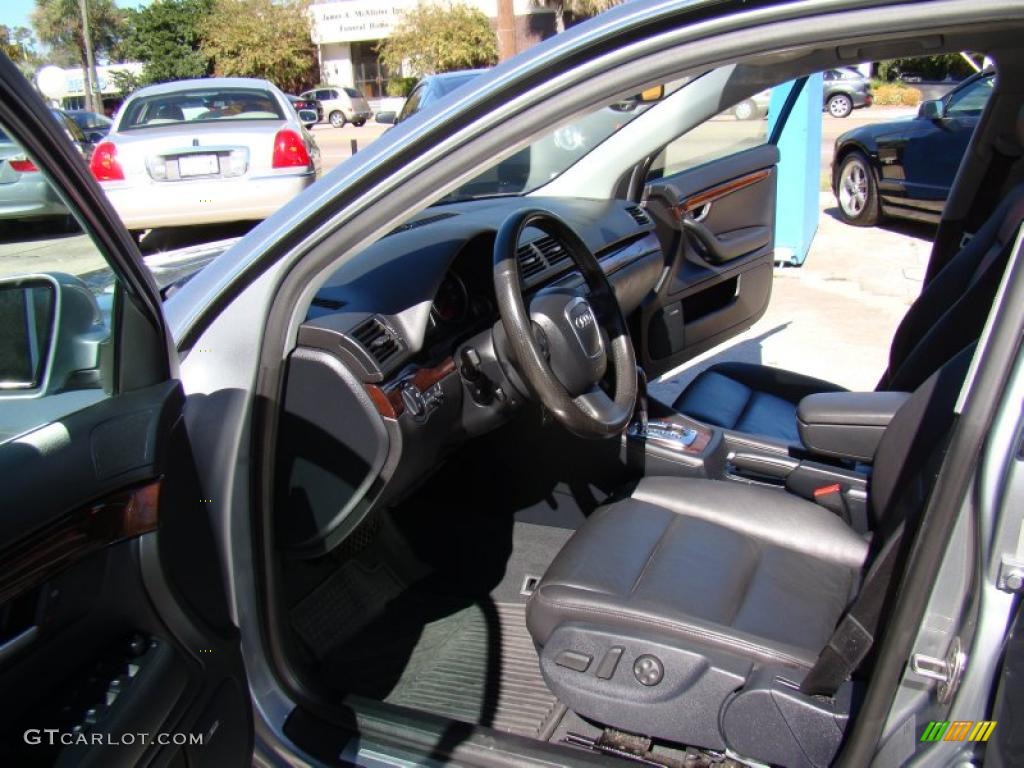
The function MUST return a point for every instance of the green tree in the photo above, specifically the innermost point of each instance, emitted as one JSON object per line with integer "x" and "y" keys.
{"x": 568, "y": 12}
{"x": 18, "y": 45}
{"x": 166, "y": 36}
{"x": 261, "y": 38}
{"x": 937, "y": 67}
{"x": 58, "y": 23}
{"x": 433, "y": 38}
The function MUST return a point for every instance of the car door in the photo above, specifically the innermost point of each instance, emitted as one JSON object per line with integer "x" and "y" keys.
{"x": 116, "y": 642}
{"x": 712, "y": 196}
{"x": 928, "y": 157}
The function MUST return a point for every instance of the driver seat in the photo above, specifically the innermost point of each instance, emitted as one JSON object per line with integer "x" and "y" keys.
{"x": 693, "y": 610}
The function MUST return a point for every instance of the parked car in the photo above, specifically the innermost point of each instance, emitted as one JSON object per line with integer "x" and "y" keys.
{"x": 427, "y": 91}
{"x": 25, "y": 194}
{"x": 846, "y": 89}
{"x": 341, "y": 105}
{"x": 311, "y": 105}
{"x": 204, "y": 151}
{"x": 754, "y": 108}
{"x": 380, "y": 485}
{"x": 93, "y": 125}
{"x": 905, "y": 168}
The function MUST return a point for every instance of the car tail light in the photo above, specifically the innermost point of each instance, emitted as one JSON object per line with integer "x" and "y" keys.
{"x": 22, "y": 164}
{"x": 104, "y": 164}
{"x": 289, "y": 150}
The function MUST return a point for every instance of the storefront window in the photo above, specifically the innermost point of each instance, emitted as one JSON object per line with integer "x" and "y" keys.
{"x": 371, "y": 77}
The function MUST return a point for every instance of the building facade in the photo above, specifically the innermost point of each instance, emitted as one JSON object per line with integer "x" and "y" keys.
{"x": 347, "y": 32}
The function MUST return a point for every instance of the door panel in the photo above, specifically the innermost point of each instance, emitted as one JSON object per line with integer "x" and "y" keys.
{"x": 717, "y": 227}
{"x": 116, "y": 643}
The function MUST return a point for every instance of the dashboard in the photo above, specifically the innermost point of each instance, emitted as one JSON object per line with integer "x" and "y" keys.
{"x": 402, "y": 356}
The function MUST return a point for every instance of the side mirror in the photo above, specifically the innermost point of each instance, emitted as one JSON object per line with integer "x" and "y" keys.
{"x": 932, "y": 110}
{"x": 95, "y": 137}
{"x": 308, "y": 117}
{"x": 387, "y": 118}
{"x": 52, "y": 333}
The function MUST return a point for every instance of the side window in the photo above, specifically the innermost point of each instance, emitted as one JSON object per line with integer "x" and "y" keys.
{"x": 741, "y": 127}
{"x": 56, "y": 302}
{"x": 412, "y": 104}
{"x": 323, "y": 95}
{"x": 971, "y": 101}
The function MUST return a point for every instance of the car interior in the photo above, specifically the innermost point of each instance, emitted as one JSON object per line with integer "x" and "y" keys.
{"x": 479, "y": 514}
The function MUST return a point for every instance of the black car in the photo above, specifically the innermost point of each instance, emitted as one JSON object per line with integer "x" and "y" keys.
{"x": 312, "y": 104}
{"x": 93, "y": 125}
{"x": 905, "y": 168}
{"x": 845, "y": 90}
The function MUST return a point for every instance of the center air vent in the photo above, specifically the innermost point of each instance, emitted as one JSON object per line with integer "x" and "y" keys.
{"x": 639, "y": 214}
{"x": 538, "y": 256}
{"x": 379, "y": 340}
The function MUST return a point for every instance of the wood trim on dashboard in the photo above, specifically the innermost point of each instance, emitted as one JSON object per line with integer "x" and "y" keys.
{"x": 40, "y": 555}
{"x": 701, "y": 199}
{"x": 387, "y": 398}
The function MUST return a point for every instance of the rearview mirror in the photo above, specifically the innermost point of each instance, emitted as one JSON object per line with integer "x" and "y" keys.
{"x": 308, "y": 117}
{"x": 932, "y": 110}
{"x": 51, "y": 334}
{"x": 387, "y": 118}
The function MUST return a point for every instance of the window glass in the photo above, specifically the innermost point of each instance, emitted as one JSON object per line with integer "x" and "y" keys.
{"x": 199, "y": 105}
{"x": 412, "y": 104}
{"x": 972, "y": 99}
{"x": 743, "y": 126}
{"x": 56, "y": 300}
{"x": 353, "y": 93}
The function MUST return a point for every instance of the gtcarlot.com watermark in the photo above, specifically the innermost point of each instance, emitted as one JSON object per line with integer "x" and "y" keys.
{"x": 55, "y": 737}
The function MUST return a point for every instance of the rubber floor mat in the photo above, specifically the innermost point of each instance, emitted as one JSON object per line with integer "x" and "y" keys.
{"x": 477, "y": 664}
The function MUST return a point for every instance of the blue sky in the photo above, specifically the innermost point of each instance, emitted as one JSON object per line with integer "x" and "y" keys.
{"x": 15, "y": 13}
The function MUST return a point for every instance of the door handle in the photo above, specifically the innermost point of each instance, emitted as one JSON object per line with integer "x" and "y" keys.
{"x": 719, "y": 250}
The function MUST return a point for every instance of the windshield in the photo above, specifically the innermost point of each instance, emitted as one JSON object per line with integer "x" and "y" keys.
{"x": 553, "y": 153}
{"x": 198, "y": 105}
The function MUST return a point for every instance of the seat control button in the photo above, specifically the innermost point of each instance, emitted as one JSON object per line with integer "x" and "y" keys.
{"x": 577, "y": 662}
{"x": 648, "y": 669}
{"x": 606, "y": 668}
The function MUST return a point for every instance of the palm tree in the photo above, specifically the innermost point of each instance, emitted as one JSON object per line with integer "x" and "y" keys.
{"x": 577, "y": 9}
{"x": 58, "y": 23}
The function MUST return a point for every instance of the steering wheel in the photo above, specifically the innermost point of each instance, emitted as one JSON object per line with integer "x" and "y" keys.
{"x": 561, "y": 345}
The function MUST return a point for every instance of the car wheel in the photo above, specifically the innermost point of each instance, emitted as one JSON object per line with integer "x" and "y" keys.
{"x": 745, "y": 110}
{"x": 857, "y": 192}
{"x": 840, "y": 105}
{"x": 337, "y": 118}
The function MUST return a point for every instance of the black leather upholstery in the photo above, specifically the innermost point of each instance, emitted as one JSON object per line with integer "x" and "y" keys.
{"x": 947, "y": 316}
{"x": 759, "y": 573}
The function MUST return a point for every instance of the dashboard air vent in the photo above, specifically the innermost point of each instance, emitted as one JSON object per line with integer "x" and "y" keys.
{"x": 422, "y": 222}
{"x": 639, "y": 214}
{"x": 552, "y": 250}
{"x": 377, "y": 339}
{"x": 531, "y": 261}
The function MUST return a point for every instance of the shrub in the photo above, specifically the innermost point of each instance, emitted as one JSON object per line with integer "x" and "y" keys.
{"x": 400, "y": 86}
{"x": 896, "y": 94}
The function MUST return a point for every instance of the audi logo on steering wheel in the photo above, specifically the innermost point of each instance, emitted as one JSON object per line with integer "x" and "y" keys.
{"x": 584, "y": 320}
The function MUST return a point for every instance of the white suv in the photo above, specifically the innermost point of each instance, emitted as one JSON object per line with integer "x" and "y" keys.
{"x": 341, "y": 105}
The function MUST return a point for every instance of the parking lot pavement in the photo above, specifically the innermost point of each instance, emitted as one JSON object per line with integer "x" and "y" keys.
{"x": 34, "y": 247}
{"x": 336, "y": 143}
{"x": 834, "y": 317}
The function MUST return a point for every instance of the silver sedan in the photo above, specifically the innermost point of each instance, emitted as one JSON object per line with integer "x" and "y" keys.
{"x": 204, "y": 151}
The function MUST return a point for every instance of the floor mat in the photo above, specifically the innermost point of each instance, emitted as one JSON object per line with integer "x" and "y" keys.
{"x": 477, "y": 664}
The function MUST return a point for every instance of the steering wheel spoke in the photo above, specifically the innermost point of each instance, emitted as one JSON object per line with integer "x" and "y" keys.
{"x": 584, "y": 331}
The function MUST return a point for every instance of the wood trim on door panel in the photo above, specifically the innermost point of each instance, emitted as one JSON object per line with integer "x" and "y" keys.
{"x": 387, "y": 398}
{"x": 701, "y": 199}
{"x": 29, "y": 562}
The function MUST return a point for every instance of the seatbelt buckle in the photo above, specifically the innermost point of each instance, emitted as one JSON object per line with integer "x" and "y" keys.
{"x": 831, "y": 498}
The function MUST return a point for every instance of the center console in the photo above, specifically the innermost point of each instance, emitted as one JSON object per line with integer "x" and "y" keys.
{"x": 839, "y": 432}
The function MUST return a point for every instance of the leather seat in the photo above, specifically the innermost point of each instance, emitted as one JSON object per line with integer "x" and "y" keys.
{"x": 758, "y": 573}
{"x": 947, "y": 316}
{"x": 694, "y": 609}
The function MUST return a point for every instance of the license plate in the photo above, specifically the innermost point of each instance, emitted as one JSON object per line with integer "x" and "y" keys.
{"x": 198, "y": 165}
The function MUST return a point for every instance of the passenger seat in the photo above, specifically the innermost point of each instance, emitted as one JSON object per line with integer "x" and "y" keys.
{"x": 948, "y": 315}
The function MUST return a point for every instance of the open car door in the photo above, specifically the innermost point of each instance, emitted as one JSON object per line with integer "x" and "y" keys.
{"x": 711, "y": 193}
{"x": 116, "y": 643}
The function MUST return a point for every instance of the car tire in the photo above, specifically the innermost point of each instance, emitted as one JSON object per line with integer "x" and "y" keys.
{"x": 857, "y": 191}
{"x": 745, "y": 110}
{"x": 839, "y": 105}
{"x": 337, "y": 118}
